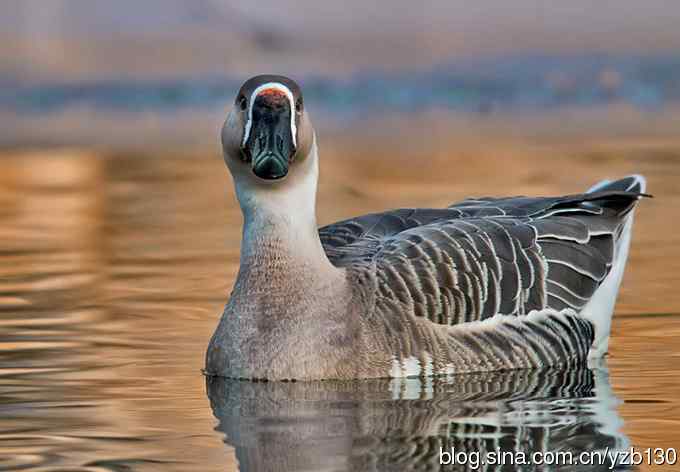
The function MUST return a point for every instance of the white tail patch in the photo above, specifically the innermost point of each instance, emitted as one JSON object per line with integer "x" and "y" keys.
{"x": 600, "y": 308}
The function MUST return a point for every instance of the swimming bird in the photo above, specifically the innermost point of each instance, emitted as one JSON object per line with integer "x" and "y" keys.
{"x": 486, "y": 284}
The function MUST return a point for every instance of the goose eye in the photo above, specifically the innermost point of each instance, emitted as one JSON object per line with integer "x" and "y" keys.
{"x": 242, "y": 103}
{"x": 298, "y": 105}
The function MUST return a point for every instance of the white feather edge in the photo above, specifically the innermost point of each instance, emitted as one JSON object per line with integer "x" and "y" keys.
{"x": 414, "y": 366}
{"x": 277, "y": 86}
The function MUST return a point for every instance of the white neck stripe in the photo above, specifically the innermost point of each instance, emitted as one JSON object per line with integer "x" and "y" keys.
{"x": 289, "y": 95}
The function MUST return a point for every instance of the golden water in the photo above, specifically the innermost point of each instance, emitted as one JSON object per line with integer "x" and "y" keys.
{"x": 114, "y": 269}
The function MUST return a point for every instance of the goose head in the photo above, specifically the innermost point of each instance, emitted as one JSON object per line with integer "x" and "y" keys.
{"x": 267, "y": 135}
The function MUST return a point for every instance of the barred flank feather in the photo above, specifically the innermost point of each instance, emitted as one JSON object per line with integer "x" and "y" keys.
{"x": 475, "y": 269}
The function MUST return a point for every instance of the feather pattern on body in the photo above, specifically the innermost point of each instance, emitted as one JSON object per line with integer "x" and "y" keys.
{"x": 468, "y": 275}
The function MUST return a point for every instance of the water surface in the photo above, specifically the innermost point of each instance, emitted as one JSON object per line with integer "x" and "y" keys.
{"x": 114, "y": 269}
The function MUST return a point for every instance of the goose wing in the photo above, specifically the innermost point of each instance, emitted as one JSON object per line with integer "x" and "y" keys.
{"x": 487, "y": 256}
{"x": 349, "y": 240}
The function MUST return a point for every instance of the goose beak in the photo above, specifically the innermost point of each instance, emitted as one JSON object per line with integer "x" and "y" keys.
{"x": 270, "y": 141}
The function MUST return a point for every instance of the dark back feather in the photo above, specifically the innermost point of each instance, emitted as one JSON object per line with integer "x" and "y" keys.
{"x": 486, "y": 256}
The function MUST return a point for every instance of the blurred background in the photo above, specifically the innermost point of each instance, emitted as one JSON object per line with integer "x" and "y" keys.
{"x": 119, "y": 231}
{"x": 78, "y": 71}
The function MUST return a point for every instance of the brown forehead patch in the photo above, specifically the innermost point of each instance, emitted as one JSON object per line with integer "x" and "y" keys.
{"x": 253, "y": 83}
{"x": 272, "y": 91}
{"x": 272, "y": 96}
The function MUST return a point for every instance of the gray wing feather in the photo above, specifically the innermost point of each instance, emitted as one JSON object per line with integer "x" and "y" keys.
{"x": 482, "y": 257}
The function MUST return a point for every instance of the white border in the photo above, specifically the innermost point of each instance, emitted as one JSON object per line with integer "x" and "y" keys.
{"x": 270, "y": 85}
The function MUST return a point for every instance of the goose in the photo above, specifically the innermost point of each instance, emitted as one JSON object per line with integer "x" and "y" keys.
{"x": 487, "y": 284}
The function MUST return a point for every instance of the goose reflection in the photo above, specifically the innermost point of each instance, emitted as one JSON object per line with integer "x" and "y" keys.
{"x": 410, "y": 424}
